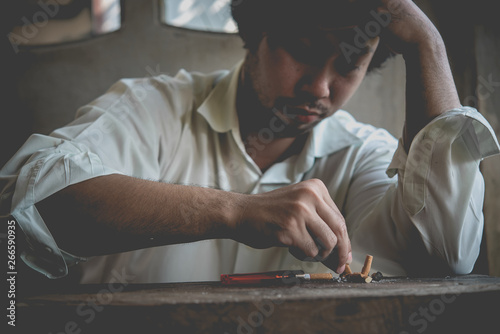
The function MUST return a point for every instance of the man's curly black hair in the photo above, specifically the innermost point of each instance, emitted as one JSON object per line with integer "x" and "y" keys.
{"x": 286, "y": 18}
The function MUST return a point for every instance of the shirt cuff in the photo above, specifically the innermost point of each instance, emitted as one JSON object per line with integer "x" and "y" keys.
{"x": 457, "y": 129}
{"x": 46, "y": 172}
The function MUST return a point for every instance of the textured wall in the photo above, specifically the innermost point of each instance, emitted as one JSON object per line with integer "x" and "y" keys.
{"x": 488, "y": 94}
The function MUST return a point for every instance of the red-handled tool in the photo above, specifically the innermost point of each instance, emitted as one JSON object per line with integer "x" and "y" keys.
{"x": 263, "y": 277}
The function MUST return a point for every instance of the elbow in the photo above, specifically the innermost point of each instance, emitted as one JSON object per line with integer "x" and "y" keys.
{"x": 462, "y": 258}
{"x": 461, "y": 267}
{"x": 462, "y": 261}
{"x": 447, "y": 262}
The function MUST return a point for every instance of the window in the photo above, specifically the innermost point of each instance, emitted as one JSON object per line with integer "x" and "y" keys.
{"x": 204, "y": 15}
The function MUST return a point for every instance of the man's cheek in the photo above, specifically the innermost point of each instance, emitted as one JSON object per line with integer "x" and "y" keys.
{"x": 341, "y": 95}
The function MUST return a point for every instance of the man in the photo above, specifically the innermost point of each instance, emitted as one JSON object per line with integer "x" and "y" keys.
{"x": 260, "y": 163}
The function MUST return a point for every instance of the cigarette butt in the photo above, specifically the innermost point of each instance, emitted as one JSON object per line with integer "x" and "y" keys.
{"x": 367, "y": 266}
{"x": 322, "y": 276}
{"x": 347, "y": 270}
{"x": 325, "y": 276}
{"x": 368, "y": 279}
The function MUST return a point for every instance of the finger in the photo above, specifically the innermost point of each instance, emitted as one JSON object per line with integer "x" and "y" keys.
{"x": 331, "y": 215}
{"x": 325, "y": 195}
{"x": 336, "y": 223}
{"x": 324, "y": 238}
{"x": 305, "y": 248}
{"x": 332, "y": 261}
{"x": 300, "y": 255}
{"x": 329, "y": 230}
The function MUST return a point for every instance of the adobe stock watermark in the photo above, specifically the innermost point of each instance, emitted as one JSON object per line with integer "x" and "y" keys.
{"x": 124, "y": 109}
{"x": 266, "y": 135}
{"x": 87, "y": 311}
{"x": 265, "y": 309}
{"x": 256, "y": 318}
{"x": 427, "y": 314}
{"x": 31, "y": 26}
{"x": 485, "y": 88}
{"x": 372, "y": 29}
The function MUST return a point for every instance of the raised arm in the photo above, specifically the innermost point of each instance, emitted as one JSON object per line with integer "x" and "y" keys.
{"x": 431, "y": 222}
{"x": 430, "y": 88}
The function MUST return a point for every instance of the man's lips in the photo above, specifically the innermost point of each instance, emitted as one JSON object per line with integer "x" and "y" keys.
{"x": 302, "y": 111}
{"x": 302, "y": 114}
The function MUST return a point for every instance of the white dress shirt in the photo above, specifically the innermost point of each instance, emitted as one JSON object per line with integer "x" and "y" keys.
{"x": 415, "y": 213}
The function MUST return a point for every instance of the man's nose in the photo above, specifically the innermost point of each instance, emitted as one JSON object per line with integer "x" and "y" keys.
{"x": 316, "y": 82}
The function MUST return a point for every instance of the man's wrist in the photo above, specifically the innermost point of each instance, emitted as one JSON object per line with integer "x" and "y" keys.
{"x": 232, "y": 215}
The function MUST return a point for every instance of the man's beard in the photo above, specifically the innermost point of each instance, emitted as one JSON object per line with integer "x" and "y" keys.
{"x": 280, "y": 117}
{"x": 290, "y": 127}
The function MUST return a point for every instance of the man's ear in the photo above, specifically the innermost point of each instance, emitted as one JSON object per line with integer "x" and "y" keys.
{"x": 381, "y": 55}
{"x": 252, "y": 44}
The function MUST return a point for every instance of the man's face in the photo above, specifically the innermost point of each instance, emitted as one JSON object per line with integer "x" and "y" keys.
{"x": 303, "y": 80}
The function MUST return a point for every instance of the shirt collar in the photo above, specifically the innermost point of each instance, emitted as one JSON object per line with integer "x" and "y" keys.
{"x": 219, "y": 108}
{"x": 332, "y": 135}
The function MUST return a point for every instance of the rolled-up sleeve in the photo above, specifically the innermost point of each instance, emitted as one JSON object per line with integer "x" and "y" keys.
{"x": 116, "y": 134}
{"x": 431, "y": 220}
{"x": 43, "y": 166}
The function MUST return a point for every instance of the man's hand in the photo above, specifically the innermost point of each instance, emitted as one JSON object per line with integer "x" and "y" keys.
{"x": 408, "y": 26}
{"x": 301, "y": 216}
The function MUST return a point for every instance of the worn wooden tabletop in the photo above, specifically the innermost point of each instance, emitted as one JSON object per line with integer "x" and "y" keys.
{"x": 392, "y": 305}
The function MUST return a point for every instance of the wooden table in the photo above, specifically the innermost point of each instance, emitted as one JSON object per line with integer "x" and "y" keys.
{"x": 393, "y": 305}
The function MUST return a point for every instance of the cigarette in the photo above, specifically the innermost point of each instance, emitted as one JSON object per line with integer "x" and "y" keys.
{"x": 347, "y": 270}
{"x": 308, "y": 277}
{"x": 367, "y": 266}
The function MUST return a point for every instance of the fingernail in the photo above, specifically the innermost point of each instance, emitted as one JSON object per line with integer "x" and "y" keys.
{"x": 341, "y": 269}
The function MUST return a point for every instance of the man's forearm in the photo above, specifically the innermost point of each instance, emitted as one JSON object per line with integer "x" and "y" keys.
{"x": 117, "y": 213}
{"x": 430, "y": 88}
